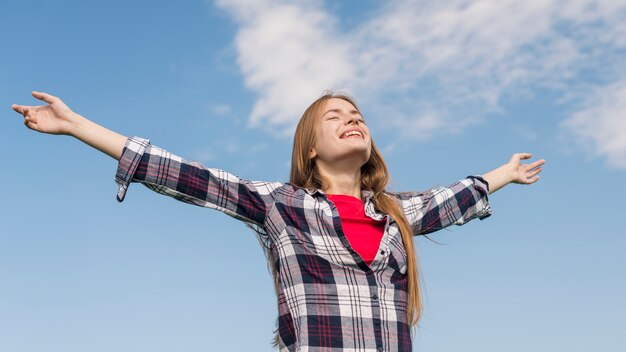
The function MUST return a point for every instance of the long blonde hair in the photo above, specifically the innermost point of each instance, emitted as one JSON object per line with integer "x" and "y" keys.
{"x": 374, "y": 177}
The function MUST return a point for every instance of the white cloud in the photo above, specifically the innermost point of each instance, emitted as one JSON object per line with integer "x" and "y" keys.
{"x": 463, "y": 57}
{"x": 288, "y": 53}
{"x": 600, "y": 127}
{"x": 435, "y": 66}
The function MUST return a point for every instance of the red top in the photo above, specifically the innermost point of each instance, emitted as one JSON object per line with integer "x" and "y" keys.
{"x": 363, "y": 232}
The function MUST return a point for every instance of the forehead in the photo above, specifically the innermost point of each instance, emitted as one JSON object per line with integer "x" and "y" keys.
{"x": 338, "y": 104}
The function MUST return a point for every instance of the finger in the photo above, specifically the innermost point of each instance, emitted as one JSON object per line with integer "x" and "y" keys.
{"x": 30, "y": 124}
{"x": 532, "y": 173}
{"x": 517, "y": 157}
{"x": 536, "y": 164}
{"x": 20, "y": 109}
{"x": 45, "y": 97}
{"x": 532, "y": 180}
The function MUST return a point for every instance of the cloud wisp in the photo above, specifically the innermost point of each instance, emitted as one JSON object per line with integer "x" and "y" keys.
{"x": 600, "y": 127}
{"x": 288, "y": 53}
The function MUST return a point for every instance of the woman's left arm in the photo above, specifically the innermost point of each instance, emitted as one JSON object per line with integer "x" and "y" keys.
{"x": 514, "y": 172}
{"x": 464, "y": 200}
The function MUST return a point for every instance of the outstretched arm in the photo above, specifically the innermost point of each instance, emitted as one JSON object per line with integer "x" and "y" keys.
{"x": 57, "y": 118}
{"x": 159, "y": 170}
{"x": 514, "y": 172}
{"x": 467, "y": 199}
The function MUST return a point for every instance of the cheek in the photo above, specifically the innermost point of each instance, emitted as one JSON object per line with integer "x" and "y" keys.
{"x": 324, "y": 138}
{"x": 320, "y": 143}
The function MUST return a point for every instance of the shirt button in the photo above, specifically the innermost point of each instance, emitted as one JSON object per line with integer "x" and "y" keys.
{"x": 375, "y": 297}
{"x": 377, "y": 323}
{"x": 380, "y": 349}
{"x": 382, "y": 252}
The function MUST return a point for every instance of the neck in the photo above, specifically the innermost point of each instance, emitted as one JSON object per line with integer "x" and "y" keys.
{"x": 338, "y": 180}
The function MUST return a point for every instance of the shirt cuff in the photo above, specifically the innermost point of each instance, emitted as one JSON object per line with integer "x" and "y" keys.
{"x": 133, "y": 151}
{"x": 483, "y": 207}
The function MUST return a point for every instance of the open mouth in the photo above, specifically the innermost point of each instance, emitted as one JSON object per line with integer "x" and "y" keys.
{"x": 352, "y": 134}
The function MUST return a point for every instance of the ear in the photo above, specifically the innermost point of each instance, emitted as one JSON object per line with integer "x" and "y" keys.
{"x": 312, "y": 154}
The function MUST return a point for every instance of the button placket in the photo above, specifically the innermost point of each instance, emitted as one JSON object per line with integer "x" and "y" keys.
{"x": 376, "y": 312}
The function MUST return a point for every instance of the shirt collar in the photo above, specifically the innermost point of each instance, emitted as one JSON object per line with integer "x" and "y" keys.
{"x": 313, "y": 191}
{"x": 366, "y": 194}
{"x": 367, "y": 200}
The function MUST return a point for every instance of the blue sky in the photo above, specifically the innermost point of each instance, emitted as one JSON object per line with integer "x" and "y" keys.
{"x": 449, "y": 89}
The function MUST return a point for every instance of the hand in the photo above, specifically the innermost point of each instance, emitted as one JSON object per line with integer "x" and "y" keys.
{"x": 524, "y": 173}
{"x": 54, "y": 118}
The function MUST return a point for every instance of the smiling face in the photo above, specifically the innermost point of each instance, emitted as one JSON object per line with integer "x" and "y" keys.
{"x": 341, "y": 135}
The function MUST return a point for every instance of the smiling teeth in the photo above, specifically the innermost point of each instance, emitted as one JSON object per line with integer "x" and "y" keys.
{"x": 351, "y": 133}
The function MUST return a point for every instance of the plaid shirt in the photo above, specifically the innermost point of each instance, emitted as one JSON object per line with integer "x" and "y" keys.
{"x": 328, "y": 298}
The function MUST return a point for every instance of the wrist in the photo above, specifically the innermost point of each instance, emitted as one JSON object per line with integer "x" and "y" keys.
{"x": 499, "y": 177}
{"x": 76, "y": 124}
{"x": 509, "y": 173}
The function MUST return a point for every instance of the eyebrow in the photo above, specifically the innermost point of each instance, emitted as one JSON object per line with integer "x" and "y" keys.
{"x": 353, "y": 112}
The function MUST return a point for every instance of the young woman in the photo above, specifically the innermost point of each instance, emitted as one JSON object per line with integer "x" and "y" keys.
{"x": 340, "y": 245}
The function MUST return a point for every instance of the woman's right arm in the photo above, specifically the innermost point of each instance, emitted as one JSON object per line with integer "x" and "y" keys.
{"x": 159, "y": 170}
{"x": 58, "y": 118}
{"x": 191, "y": 182}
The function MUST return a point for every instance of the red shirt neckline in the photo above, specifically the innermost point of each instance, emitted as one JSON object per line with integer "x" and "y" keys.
{"x": 362, "y": 232}
{"x": 344, "y": 196}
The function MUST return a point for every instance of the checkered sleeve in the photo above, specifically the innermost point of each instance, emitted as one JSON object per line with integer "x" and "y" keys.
{"x": 441, "y": 207}
{"x": 191, "y": 182}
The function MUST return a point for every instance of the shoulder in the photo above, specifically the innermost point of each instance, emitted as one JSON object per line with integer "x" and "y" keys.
{"x": 290, "y": 190}
{"x": 404, "y": 196}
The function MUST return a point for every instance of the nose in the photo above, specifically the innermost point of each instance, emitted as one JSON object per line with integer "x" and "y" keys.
{"x": 351, "y": 120}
